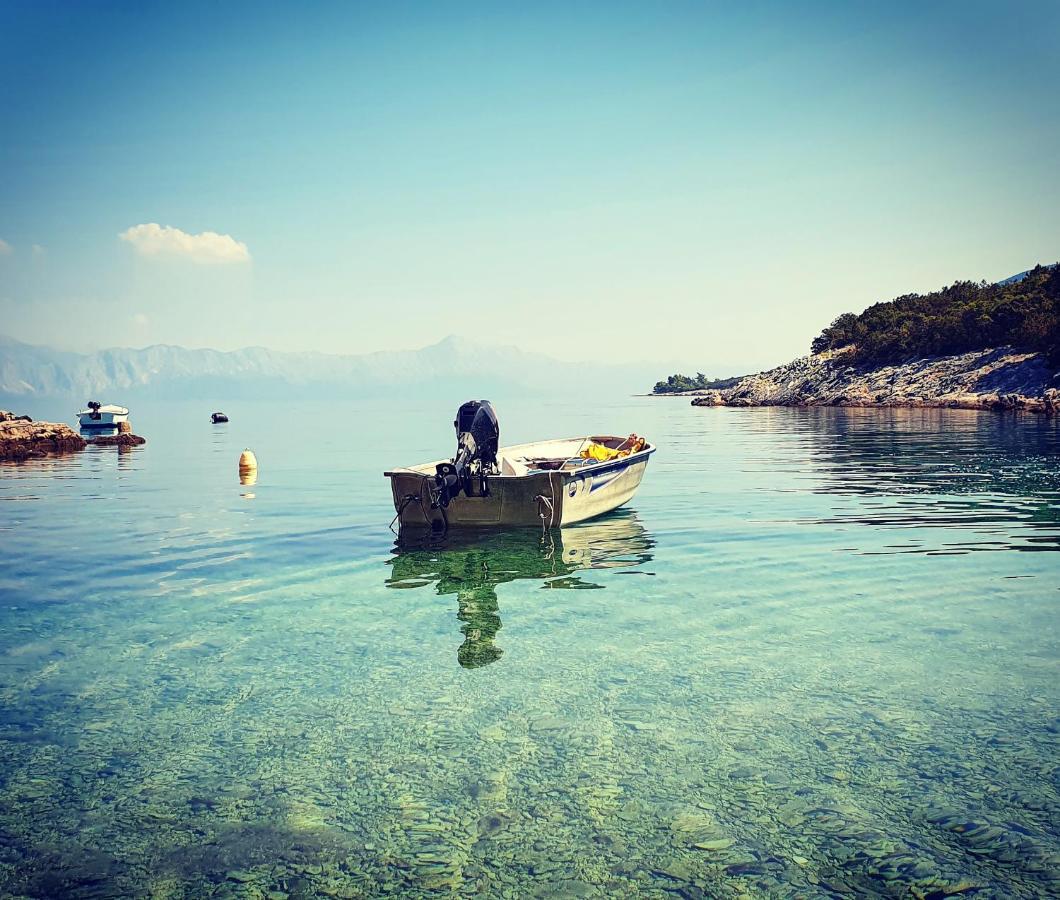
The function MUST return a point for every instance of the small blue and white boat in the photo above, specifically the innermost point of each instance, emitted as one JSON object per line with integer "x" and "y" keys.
{"x": 545, "y": 483}
{"x": 99, "y": 415}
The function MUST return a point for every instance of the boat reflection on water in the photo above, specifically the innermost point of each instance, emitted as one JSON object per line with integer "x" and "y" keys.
{"x": 471, "y": 564}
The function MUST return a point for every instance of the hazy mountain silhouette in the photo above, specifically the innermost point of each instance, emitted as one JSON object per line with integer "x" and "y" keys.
{"x": 165, "y": 371}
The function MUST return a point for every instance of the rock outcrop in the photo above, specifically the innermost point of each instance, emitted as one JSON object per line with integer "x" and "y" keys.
{"x": 6, "y": 416}
{"x": 21, "y": 439}
{"x": 124, "y": 439}
{"x": 1001, "y": 378}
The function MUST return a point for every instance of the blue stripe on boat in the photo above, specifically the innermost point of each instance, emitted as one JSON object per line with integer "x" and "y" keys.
{"x": 603, "y": 480}
{"x": 611, "y": 469}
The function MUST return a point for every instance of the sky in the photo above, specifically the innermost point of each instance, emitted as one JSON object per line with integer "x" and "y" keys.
{"x": 709, "y": 184}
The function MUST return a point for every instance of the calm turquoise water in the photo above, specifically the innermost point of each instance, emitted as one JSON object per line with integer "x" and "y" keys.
{"x": 817, "y": 656}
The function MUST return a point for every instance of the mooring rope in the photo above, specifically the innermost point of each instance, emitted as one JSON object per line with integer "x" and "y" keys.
{"x": 405, "y": 501}
{"x": 551, "y": 504}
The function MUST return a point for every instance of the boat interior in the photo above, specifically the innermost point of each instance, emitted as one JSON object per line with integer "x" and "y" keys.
{"x": 566, "y": 456}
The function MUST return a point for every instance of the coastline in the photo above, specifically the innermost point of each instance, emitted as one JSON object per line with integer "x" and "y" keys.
{"x": 996, "y": 379}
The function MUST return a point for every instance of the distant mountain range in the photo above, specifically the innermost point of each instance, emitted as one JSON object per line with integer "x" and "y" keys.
{"x": 28, "y": 371}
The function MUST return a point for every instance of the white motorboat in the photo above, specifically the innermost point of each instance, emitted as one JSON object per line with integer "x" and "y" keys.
{"x": 548, "y": 483}
{"x": 98, "y": 415}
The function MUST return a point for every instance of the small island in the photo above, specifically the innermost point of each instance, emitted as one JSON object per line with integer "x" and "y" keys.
{"x": 972, "y": 345}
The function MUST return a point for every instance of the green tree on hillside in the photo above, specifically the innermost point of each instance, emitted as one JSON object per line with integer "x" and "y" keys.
{"x": 677, "y": 383}
{"x": 965, "y": 316}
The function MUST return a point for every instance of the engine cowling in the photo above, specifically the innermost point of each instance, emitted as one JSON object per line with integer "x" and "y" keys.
{"x": 477, "y": 440}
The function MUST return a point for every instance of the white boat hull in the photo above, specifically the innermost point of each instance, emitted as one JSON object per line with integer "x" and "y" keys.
{"x": 102, "y": 419}
{"x": 98, "y": 415}
{"x": 551, "y": 498}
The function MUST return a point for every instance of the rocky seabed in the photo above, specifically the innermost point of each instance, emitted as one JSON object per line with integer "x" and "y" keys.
{"x": 662, "y": 793}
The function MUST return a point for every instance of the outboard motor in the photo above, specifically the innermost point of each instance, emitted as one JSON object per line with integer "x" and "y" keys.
{"x": 477, "y": 436}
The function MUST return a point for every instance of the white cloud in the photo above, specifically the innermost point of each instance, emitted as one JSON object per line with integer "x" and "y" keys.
{"x": 152, "y": 239}
{"x": 140, "y": 319}
{"x": 5, "y": 248}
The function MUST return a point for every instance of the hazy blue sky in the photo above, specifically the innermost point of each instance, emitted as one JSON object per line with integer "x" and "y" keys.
{"x": 710, "y": 183}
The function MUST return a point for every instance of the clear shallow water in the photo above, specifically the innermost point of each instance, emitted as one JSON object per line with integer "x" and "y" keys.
{"x": 818, "y": 655}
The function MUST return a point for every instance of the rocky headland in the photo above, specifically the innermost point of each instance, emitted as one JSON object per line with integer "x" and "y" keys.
{"x": 999, "y": 378}
{"x": 22, "y": 438}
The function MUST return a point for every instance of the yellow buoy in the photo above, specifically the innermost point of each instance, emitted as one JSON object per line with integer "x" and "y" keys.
{"x": 248, "y": 462}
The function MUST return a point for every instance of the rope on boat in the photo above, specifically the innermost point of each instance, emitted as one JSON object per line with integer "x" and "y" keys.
{"x": 542, "y": 499}
{"x": 551, "y": 504}
{"x": 405, "y": 501}
{"x": 425, "y": 490}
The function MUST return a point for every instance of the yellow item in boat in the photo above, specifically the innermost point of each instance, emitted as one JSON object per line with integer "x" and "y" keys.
{"x": 602, "y": 454}
{"x": 598, "y": 452}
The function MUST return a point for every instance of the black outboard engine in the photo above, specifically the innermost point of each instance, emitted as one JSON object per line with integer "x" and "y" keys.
{"x": 477, "y": 435}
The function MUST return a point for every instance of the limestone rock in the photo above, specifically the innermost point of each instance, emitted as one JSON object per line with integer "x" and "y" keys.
{"x": 21, "y": 439}
{"x": 999, "y": 379}
{"x": 124, "y": 439}
{"x": 709, "y": 398}
{"x": 6, "y": 416}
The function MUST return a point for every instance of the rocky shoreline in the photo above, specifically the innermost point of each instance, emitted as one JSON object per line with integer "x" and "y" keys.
{"x": 22, "y": 438}
{"x": 997, "y": 379}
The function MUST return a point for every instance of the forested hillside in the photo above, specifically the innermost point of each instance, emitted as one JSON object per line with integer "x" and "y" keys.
{"x": 965, "y": 316}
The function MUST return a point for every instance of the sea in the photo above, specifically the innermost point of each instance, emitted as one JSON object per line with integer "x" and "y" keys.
{"x": 817, "y": 655}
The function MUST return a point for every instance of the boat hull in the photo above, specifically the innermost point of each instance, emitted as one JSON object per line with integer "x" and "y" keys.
{"x": 551, "y": 498}
{"x": 104, "y": 420}
{"x": 596, "y": 490}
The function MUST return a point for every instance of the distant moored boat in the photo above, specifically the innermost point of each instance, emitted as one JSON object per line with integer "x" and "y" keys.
{"x": 99, "y": 415}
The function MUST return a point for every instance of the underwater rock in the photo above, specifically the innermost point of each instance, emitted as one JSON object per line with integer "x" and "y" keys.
{"x": 714, "y": 844}
{"x": 699, "y": 831}
{"x": 548, "y": 723}
{"x": 677, "y": 868}
{"x": 492, "y": 823}
{"x": 565, "y": 888}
